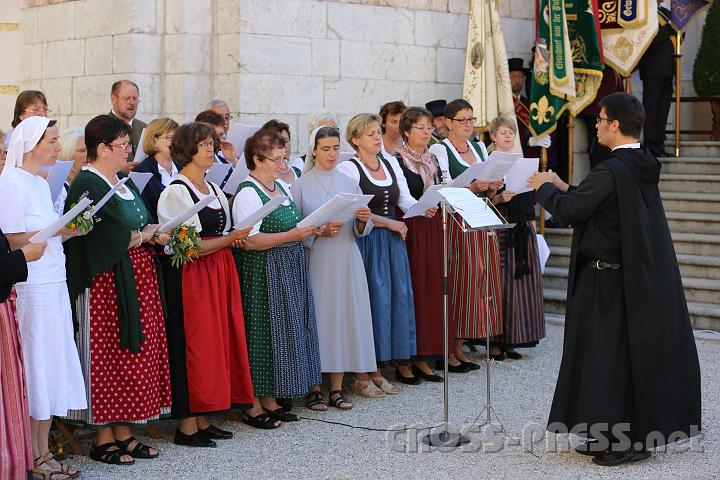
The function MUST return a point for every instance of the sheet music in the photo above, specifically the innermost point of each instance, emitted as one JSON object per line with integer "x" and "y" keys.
{"x": 140, "y": 179}
{"x": 217, "y": 173}
{"x": 140, "y": 154}
{"x": 185, "y": 216}
{"x": 330, "y": 211}
{"x": 56, "y": 177}
{"x": 108, "y": 195}
{"x": 472, "y": 209}
{"x": 48, "y": 232}
{"x": 429, "y": 199}
{"x": 239, "y": 173}
{"x": 518, "y": 175}
{"x": 238, "y": 135}
{"x": 261, "y": 213}
{"x": 497, "y": 165}
{"x": 359, "y": 201}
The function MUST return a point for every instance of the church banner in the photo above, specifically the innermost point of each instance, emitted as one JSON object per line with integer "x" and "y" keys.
{"x": 628, "y": 27}
{"x": 682, "y": 11}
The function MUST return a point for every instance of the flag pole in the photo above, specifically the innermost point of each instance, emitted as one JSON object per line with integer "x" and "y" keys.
{"x": 678, "y": 73}
{"x": 571, "y": 139}
{"x": 628, "y": 84}
{"x": 543, "y": 168}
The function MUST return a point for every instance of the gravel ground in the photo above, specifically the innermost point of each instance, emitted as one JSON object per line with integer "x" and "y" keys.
{"x": 521, "y": 393}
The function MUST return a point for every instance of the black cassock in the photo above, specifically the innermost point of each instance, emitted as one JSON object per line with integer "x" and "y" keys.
{"x": 13, "y": 267}
{"x": 629, "y": 353}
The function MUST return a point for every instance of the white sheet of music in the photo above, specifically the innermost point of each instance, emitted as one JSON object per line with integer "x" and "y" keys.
{"x": 517, "y": 176}
{"x": 429, "y": 199}
{"x": 238, "y": 134}
{"x": 330, "y": 211}
{"x": 48, "y": 232}
{"x": 56, "y": 177}
{"x": 239, "y": 173}
{"x": 185, "y": 216}
{"x": 140, "y": 154}
{"x": 497, "y": 165}
{"x": 96, "y": 208}
{"x": 261, "y": 213}
{"x": 472, "y": 209}
{"x": 140, "y": 179}
{"x": 217, "y": 173}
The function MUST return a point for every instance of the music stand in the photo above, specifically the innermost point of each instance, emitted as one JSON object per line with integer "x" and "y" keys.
{"x": 445, "y": 438}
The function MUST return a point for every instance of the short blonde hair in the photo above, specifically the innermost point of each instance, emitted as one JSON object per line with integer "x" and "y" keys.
{"x": 68, "y": 142}
{"x": 316, "y": 119}
{"x": 357, "y": 126}
{"x": 155, "y": 129}
{"x": 501, "y": 121}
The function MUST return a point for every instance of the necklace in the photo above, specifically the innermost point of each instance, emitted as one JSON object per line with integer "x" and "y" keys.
{"x": 458, "y": 150}
{"x": 376, "y": 169}
{"x": 271, "y": 190}
{"x": 200, "y": 187}
{"x": 329, "y": 187}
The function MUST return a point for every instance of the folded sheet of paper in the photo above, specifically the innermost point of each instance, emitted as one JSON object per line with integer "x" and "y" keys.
{"x": 57, "y": 176}
{"x": 185, "y": 216}
{"x": 429, "y": 199}
{"x": 239, "y": 133}
{"x": 264, "y": 211}
{"x": 140, "y": 154}
{"x": 96, "y": 208}
{"x": 472, "y": 209}
{"x": 239, "y": 173}
{"x": 48, "y": 232}
{"x": 543, "y": 252}
{"x": 140, "y": 179}
{"x": 497, "y": 165}
{"x": 359, "y": 201}
{"x": 517, "y": 177}
{"x": 217, "y": 173}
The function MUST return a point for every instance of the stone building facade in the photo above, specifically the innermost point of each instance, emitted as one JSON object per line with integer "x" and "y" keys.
{"x": 266, "y": 58}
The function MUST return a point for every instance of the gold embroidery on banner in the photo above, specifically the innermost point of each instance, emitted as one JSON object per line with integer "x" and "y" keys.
{"x": 543, "y": 109}
{"x": 623, "y": 49}
{"x": 477, "y": 56}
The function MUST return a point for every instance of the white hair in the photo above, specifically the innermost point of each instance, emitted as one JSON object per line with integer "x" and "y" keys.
{"x": 216, "y": 103}
{"x": 316, "y": 119}
{"x": 68, "y": 142}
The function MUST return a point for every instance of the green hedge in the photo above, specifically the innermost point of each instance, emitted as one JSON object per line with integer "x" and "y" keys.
{"x": 706, "y": 71}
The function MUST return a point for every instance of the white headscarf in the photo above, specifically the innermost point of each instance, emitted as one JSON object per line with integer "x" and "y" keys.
{"x": 310, "y": 157}
{"x": 24, "y": 138}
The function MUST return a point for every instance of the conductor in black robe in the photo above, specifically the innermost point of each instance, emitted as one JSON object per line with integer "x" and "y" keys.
{"x": 629, "y": 378}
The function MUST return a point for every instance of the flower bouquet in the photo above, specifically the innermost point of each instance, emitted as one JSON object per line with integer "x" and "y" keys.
{"x": 184, "y": 245}
{"x": 83, "y": 221}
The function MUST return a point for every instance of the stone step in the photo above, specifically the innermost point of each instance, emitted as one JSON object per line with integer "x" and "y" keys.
{"x": 691, "y": 165}
{"x": 698, "y": 266}
{"x": 695, "y": 148}
{"x": 675, "y": 182}
{"x": 691, "y": 202}
{"x": 706, "y": 223}
{"x": 685, "y": 242}
{"x": 700, "y": 290}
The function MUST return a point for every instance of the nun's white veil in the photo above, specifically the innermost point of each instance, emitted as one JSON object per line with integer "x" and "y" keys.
{"x": 24, "y": 138}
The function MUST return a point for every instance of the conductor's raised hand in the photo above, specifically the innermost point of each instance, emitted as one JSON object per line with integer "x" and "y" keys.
{"x": 539, "y": 178}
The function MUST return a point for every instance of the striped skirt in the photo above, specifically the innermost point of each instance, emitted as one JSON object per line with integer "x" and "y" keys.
{"x": 296, "y": 354}
{"x": 467, "y": 284}
{"x": 15, "y": 449}
{"x": 523, "y": 315}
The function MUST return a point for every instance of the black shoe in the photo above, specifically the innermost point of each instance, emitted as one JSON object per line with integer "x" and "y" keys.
{"x": 610, "y": 458}
{"x": 499, "y": 357}
{"x": 589, "y": 448}
{"x": 471, "y": 365}
{"x": 512, "y": 355}
{"x": 282, "y": 415}
{"x": 406, "y": 380}
{"x": 197, "y": 439}
{"x": 425, "y": 376}
{"x": 216, "y": 433}
{"x": 460, "y": 368}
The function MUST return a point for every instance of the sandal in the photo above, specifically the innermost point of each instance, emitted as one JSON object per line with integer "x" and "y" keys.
{"x": 46, "y": 474}
{"x": 66, "y": 470}
{"x": 139, "y": 451}
{"x": 102, "y": 453}
{"x": 315, "y": 401}
{"x": 385, "y": 386}
{"x": 367, "y": 388}
{"x": 338, "y": 400}
{"x": 262, "y": 421}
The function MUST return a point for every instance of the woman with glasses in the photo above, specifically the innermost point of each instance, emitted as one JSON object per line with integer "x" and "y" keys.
{"x": 342, "y": 301}
{"x": 29, "y": 103}
{"x": 467, "y": 269}
{"x": 44, "y": 314}
{"x": 383, "y": 251}
{"x": 159, "y": 135}
{"x": 206, "y": 334}
{"x": 73, "y": 150}
{"x": 113, "y": 282}
{"x": 277, "y": 298}
{"x": 424, "y": 242}
{"x": 522, "y": 312}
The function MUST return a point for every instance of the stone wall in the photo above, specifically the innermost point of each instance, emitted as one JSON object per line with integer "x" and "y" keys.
{"x": 267, "y": 58}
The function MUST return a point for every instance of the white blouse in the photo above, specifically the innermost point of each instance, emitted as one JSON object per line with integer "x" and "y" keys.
{"x": 176, "y": 199}
{"x": 247, "y": 201}
{"x": 441, "y": 153}
{"x": 123, "y": 192}
{"x": 405, "y": 201}
{"x": 26, "y": 206}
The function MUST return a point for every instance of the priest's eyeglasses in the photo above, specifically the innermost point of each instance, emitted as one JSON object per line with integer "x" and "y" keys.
{"x": 464, "y": 121}
{"x": 600, "y": 119}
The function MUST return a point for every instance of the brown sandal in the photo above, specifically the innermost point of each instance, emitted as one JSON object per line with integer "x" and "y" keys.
{"x": 48, "y": 474}
{"x": 315, "y": 401}
{"x": 337, "y": 400}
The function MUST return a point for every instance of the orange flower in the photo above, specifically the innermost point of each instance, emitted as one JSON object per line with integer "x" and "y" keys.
{"x": 73, "y": 226}
{"x": 182, "y": 235}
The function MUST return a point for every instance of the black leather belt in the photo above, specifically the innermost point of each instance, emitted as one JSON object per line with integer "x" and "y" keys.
{"x": 602, "y": 265}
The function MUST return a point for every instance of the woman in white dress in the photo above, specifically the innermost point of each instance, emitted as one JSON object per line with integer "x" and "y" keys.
{"x": 54, "y": 378}
{"x": 337, "y": 272}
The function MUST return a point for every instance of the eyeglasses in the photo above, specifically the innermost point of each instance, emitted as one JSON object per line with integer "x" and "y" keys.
{"x": 277, "y": 161}
{"x": 39, "y": 110}
{"x": 228, "y": 116}
{"x": 206, "y": 144}
{"x": 3, "y": 152}
{"x": 429, "y": 128}
{"x": 125, "y": 146}
{"x": 464, "y": 121}
{"x": 169, "y": 138}
{"x": 599, "y": 119}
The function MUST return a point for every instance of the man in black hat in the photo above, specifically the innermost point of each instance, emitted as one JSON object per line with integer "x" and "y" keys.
{"x": 437, "y": 108}
{"x": 629, "y": 377}
{"x": 522, "y": 111}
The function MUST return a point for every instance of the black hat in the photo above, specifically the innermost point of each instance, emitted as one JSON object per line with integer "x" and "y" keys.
{"x": 436, "y": 107}
{"x": 516, "y": 65}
